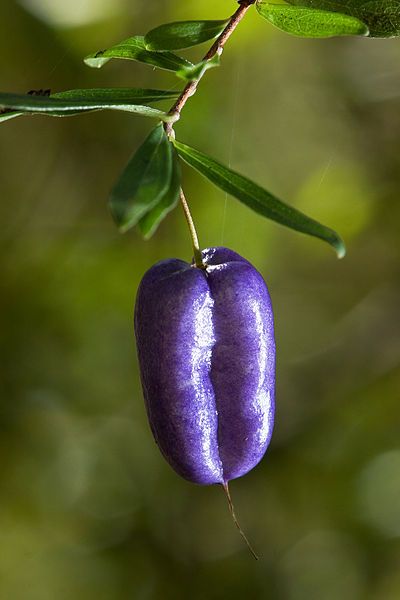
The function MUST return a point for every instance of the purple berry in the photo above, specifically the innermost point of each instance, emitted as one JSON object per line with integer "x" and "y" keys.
{"x": 205, "y": 341}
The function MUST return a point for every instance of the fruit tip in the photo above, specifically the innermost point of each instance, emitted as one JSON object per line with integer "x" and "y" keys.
{"x": 225, "y": 485}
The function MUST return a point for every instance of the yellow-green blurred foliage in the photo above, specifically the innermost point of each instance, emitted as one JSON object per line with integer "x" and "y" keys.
{"x": 88, "y": 507}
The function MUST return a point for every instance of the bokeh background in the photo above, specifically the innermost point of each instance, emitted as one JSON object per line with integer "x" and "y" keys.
{"x": 88, "y": 507}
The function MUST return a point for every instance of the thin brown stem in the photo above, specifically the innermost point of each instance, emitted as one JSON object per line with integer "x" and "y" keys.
{"x": 216, "y": 48}
{"x": 235, "y": 520}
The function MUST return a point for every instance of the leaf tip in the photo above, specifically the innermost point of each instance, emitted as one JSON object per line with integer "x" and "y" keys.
{"x": 340, "y": 247}
{"x": 95, "y": 61}
{"x": 147, "y": 235}
{"x": 149, "y": 46}
{"x": 365, "y": 31}
{"x": 118, "y": 214}
{"x": 123, "y": 228}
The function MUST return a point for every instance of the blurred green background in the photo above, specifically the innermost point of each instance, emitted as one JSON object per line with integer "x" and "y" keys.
{"x": 88, "y": 507}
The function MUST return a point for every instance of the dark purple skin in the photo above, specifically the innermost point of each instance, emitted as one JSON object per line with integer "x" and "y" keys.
{"x": 206, "y": 348}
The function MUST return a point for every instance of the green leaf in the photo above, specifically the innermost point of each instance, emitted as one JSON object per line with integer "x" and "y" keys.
{"x": 310, "y": 22}
{"x": 257, "y": 198}
{"x": 134, "y": 49}
{"x": 74, "y": 102}
{"x": 197, "y": 71}
{"x": 119, "y": 95}
{"x": 144, "y": 182}
{"x": 150, "y": 222}
{"x": 183, "y": 34}
{"x": 382, "y": 17}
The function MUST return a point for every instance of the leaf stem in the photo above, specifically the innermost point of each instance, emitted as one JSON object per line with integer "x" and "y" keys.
{"x": 188, "y": 92}
{"x": 198, "y": 259}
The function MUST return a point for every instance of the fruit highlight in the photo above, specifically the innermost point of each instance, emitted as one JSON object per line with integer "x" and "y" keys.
{"x": 205, "y": 341}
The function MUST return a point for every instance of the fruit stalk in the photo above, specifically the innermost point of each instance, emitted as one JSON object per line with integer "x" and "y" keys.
{"x": 198, "y": 259}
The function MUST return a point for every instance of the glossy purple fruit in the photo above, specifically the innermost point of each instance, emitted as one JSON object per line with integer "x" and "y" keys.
{"x": 205, "y": 341}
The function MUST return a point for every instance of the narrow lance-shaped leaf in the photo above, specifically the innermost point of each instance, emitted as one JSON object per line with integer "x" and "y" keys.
{"x": 382, "y": 17}
{"x": 134, "y": 49}
{"x": 144, "y": 181}
{"x": 123, "y": 95}
{"x": 74, "y": 102}
{"x": 197, "y": 71}
{"x": 257, "y": 198}
{"x": 183, "y": 34}
{"x": 310, "y": 22}
{"x": 151, "y": 220}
